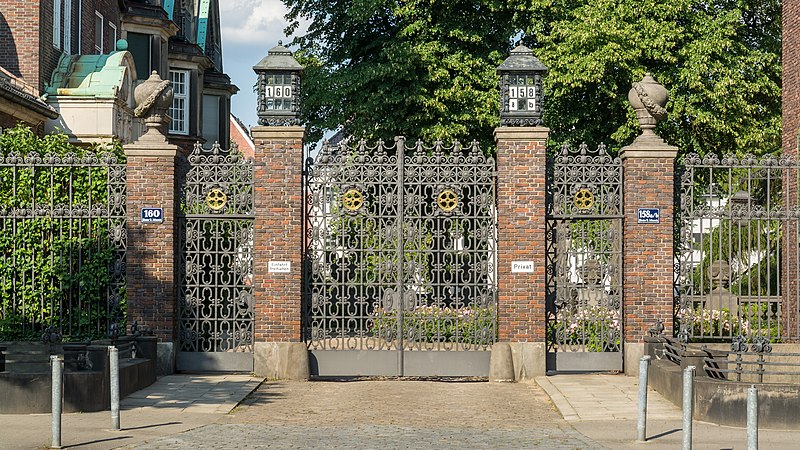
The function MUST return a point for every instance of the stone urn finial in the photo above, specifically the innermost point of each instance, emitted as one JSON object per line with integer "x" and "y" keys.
{"x": 648, "y": 99}
{"x": 153, "y": 99}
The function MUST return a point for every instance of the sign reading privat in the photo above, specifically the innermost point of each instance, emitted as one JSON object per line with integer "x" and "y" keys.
{"x": 152, "y": 215}
{"x": 522, "y": 267}
{"x": 279, "y": 267}
{"x": 649, "y": 215}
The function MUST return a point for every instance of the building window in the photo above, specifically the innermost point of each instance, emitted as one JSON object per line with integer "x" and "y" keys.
{"x": 62, "y": 25}
{"x": 180, "y": 103}
{"x": 98, "y": 32}
{"x": 57, "y": 23}
{"x": 140, "y": 47}
{"x": 113, "y": 32}
{"x": 211, "y": 122}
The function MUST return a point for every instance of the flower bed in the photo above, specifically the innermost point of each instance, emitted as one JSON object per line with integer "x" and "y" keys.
{"x": 597, "y": 329}
{"x": 470, "y": 325}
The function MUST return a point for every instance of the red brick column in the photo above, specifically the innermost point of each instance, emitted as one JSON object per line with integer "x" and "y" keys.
{"x": 278, "y": 232}
{"x": 521, "y": 166}
{"x": 648, "y": 259}
{"x": 152, "y": 264}
{"x": 790, "y": 284}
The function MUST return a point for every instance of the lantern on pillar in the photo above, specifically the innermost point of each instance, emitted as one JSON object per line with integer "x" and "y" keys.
{"x": 278, "y": 88}
{"x": 521, "y": 89}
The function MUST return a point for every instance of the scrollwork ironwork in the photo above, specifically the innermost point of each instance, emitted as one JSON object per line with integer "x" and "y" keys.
{"x": 215, "y": 303}
{"x": 448, "y": 235}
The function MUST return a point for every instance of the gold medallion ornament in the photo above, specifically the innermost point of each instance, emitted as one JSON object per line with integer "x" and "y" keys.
{"x": 216, "y": 199}
{"x": 584, "y": 199}
{"x": 448, "y": 200}
{"x": 353, "y": 200}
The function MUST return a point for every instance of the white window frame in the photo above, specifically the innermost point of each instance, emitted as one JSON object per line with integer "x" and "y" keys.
{"x": 62, "y": 25}
{"x": 113, "y": 36}
{"x": 67, "y": 27}
{"x": 179, "y": 111}
{"x": 99, "y": 47}
{"x": 57, "y": 20}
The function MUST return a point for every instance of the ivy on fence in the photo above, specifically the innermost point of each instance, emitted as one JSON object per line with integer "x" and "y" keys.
{"x": 61, "y": 237}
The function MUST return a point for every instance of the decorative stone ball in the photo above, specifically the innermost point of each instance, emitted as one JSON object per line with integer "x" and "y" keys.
{"x": 122, "y": 45}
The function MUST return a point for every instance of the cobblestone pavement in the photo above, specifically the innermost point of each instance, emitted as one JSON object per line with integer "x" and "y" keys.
{"x": 387, "y": 414}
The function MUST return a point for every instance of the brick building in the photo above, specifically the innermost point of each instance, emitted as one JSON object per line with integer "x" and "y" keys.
{"x": 63, "y": 71}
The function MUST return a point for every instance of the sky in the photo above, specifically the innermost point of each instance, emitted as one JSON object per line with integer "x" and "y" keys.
{"x": 249, "y": 29}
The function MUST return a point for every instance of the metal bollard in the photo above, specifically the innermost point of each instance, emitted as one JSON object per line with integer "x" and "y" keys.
{"x": 641, "y": 424}
{"x": 113, "y": 356}
{"x": 57, "y": 383}
{"x": 688, "y": 404}
{"x": 752, "y": 418}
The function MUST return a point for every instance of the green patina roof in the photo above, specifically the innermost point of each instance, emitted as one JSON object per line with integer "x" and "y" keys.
{"x": 100, "y": 76}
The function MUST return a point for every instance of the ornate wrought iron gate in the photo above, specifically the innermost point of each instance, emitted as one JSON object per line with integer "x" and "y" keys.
{"x": 584, "y": 261}
{"x": 215, "y": 297}
{"x": 355, "y": 322}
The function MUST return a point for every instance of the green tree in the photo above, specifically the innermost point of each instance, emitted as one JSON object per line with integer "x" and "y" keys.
{"x": 424, "y": 69}
{"x": 720, "y": 59}
{"x": 427, "y": 68}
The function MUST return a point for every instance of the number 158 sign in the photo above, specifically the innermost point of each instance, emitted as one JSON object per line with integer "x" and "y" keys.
{"x": 152, "y": 215}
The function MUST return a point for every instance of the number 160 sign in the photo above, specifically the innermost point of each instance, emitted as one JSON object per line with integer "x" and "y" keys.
{"x": 152, "y": 215}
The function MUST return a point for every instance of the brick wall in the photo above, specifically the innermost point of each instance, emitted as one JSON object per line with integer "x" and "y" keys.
{"x": 791, "y": 124}
{"x": 111, "y": 14}
{"x": 19, "y": 39}
{"x": 648, "y": 267}
{"x": 521, "y": 162}
{"x": 278, "y": 232}
{"x": 152, "y": 252}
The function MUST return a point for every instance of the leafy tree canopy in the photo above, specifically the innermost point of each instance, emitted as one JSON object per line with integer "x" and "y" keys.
{"x": 426, "y": 68}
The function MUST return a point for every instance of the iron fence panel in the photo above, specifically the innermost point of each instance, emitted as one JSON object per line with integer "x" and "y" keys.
{"x": 63, "y": 239}
{"x": 736, "y": 248}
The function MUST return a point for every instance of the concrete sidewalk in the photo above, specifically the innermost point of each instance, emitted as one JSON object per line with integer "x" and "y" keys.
{"x": 172, "y": 405}
{"x": 604, "y": 408}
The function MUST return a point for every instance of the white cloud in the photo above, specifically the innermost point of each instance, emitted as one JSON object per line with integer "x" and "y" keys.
{"x": 252, "y": 21}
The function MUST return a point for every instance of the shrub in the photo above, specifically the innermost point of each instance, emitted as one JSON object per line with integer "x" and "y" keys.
{"x": 469, "y": 325}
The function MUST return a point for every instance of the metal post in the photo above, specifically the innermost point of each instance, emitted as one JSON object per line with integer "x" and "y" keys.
{"x": 752, "y": 418}
{"x": 401, "y": 144}
{"x": 56, "y": 364}
{"x": 688, "y": 397}
{"x": 641, "y": 425}
{"x": 113, "y": 358}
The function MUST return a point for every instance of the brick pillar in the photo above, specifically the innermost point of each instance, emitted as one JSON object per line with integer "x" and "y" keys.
{"x": 152, "y": 248}
{"x": 648, "y": 259}
{"x": 790, "y": 271}
{"x": 277, "y": 239}
{"x": 521, "y": 166}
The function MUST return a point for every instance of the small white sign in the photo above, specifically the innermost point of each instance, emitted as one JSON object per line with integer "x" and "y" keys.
{"x": 279, "y": 267}
{"x": 522, "y": 267}
{"x": 512, "y": 104}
